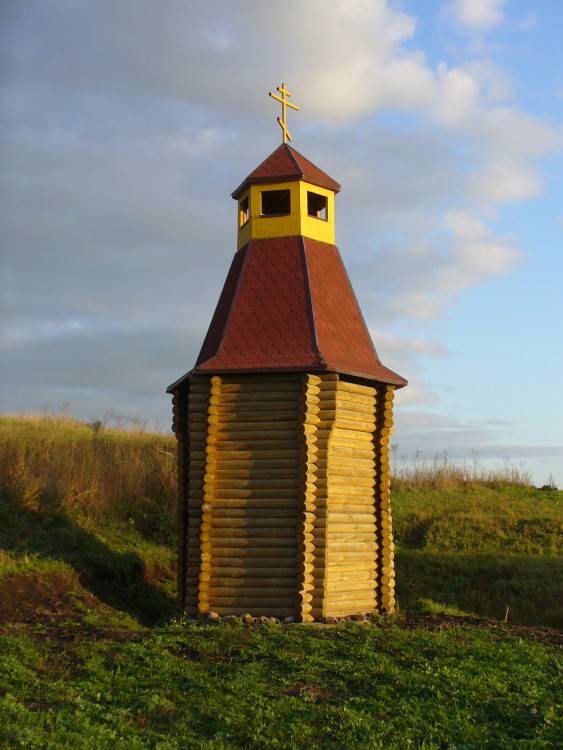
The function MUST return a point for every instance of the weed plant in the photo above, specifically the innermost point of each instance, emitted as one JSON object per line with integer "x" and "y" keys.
{"x": 51, "y": 465}
{"x": 441, "y": 473}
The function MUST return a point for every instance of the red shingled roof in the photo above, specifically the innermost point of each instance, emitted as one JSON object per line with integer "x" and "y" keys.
{"x": 287, "y": 164}
{"x": 288, "y": 305}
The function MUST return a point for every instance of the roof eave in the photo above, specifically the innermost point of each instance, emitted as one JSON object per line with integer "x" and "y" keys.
{"x": 334, "y": 187}
{"x": 178, "y": 383}
{"x": 264, "y": 180}
{"x": 388, "y": 378}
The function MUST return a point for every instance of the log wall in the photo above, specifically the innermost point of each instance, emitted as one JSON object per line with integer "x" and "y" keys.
{"x": 284, "y": 496}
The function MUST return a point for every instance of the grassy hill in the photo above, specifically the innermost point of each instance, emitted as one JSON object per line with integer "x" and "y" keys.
{"x": 91, "y": 654}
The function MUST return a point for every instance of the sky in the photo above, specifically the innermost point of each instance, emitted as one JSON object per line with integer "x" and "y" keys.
{"x": 126, "y": 125}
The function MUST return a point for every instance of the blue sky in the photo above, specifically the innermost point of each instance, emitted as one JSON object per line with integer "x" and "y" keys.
{"x": 126, "y": 125}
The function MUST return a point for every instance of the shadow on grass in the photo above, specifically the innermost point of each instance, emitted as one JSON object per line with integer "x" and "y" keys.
{"x": 482, "y": 584}
{"x": 117, "y": 579}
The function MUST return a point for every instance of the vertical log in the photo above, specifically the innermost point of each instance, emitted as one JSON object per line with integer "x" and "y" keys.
{"x": 386, "y": 566}
{"x": 329, "y": 383}
{"x": 194, "y": 402}
{"x": 208, "y": 490}
{"x": 306, "y": 540}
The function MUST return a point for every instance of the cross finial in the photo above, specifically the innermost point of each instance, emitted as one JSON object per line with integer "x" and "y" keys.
{"x": 282, "y": 122}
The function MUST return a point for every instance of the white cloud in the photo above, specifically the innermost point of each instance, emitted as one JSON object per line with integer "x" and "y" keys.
{"x": 458, "y": 102}
{"x": 479, "y": 15}
{"x": 495, "y": 84}
{"x": 506, "y": 181}
{"x": 501, "y": 141}
{"x": 476, "y": 251}
{"x": 421, "y": 275}
{"x": 344, "y": 64}
{"x": 407, "y": 355}
{"x": 529, "y": 21}
{"x": 339, "y": 64}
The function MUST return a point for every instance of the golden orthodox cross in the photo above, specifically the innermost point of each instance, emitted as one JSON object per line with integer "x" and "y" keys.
{"x": 282, "y": 99}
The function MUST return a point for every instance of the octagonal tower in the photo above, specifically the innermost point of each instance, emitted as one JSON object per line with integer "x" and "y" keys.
{"x": 283, "y": 424}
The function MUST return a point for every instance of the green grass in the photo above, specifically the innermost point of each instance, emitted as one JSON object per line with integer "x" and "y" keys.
{"x": 481, "y": 550}
{"x": 519, "y": 520}
{"x": 227, "y": 686}
{"x": 525, "y": 589}
{"x": 91, "y": 656}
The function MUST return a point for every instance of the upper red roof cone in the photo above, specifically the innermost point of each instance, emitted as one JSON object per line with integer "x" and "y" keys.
{"x": 285, "y": 163}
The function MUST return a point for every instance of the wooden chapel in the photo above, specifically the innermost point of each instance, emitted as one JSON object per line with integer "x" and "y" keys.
{"x": 283, "y": 425}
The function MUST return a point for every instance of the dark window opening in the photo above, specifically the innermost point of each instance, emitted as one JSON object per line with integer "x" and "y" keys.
{"x": 243, "y": 211}
{"x": 317, "y": 205}
{"x": 275, "y": 202}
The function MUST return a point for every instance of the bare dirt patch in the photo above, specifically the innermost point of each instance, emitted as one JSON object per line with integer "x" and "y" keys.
{"x": 448, "y": 622}
{"x": 45, "y": 598}
{"x": 53, "y": 606}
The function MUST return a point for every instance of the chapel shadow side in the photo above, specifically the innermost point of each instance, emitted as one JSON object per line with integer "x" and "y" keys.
{"x": 117, "y": 579}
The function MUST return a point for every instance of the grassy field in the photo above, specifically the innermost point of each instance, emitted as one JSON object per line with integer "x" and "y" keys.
{"x": 91, "y": 655}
